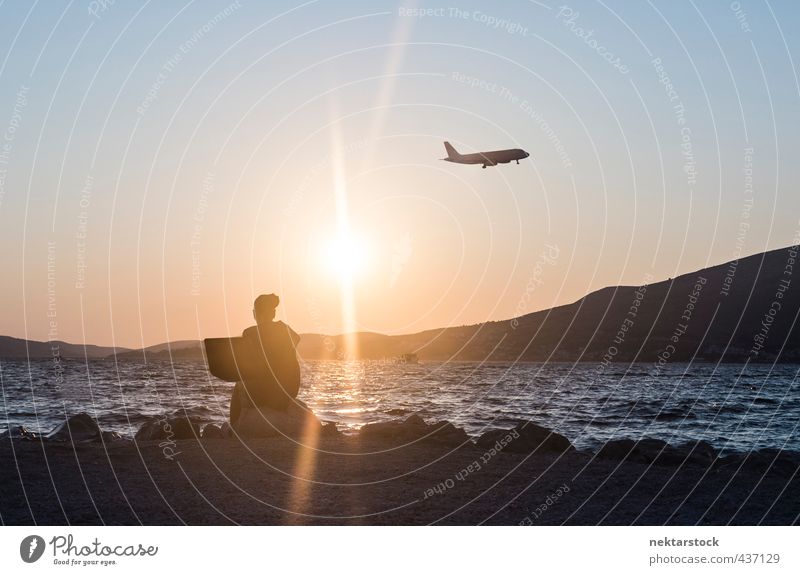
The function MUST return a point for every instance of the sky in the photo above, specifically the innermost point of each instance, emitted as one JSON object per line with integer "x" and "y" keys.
{"x": 163, "y": 163}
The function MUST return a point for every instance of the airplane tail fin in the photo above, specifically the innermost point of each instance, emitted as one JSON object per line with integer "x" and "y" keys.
{"x": 452, "y": 154}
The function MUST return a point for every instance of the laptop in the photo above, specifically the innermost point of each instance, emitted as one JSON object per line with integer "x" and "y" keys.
{"x": 228, "y": 357}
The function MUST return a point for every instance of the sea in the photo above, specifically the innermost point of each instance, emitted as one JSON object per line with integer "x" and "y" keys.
{"x": 735, "y": 407}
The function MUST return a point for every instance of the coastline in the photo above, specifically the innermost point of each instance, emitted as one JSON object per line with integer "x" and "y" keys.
{"x": 390, "y": 475}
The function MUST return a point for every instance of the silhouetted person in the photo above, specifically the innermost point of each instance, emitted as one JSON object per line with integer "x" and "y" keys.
{"x": 273, "y": 379}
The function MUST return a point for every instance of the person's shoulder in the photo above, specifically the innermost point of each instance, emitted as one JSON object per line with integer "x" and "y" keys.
{"x": 290, "y": 331}
{"x": 284, "y": 325}
{"x": 251, "y": 331}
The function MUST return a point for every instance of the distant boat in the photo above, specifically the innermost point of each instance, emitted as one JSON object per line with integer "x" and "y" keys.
{"x": 407, "y": 358}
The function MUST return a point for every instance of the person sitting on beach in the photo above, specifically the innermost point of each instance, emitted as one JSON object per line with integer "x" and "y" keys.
{"x": 273, "y": 379}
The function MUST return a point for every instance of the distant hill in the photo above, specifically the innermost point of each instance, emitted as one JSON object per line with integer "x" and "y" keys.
{"x": 182, "y": 349}
{"x": 12, "y": 347}
{"x": 741, "y": 310}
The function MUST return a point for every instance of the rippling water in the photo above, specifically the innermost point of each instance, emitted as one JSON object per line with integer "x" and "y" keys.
{"x": 732, "y": 407}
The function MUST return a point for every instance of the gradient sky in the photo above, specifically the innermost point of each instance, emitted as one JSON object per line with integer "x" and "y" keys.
{"x": 163, "y": 163}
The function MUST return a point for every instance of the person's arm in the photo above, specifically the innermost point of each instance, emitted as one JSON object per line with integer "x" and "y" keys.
{"x": 294, "y": 336}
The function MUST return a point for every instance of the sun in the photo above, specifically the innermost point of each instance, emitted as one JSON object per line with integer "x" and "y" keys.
{"x": 346, "y": 257}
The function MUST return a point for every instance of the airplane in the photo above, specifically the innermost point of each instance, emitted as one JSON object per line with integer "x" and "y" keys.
{"x": 485, "y": 158}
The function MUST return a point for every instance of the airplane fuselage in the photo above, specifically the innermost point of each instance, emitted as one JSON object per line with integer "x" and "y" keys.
{"x": 486, "y": 158}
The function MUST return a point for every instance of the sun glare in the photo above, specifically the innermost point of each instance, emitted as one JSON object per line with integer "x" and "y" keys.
{"x": 346, "y": 257}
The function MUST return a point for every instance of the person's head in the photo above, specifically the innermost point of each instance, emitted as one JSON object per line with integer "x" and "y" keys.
{"x": 264, "y": 307}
